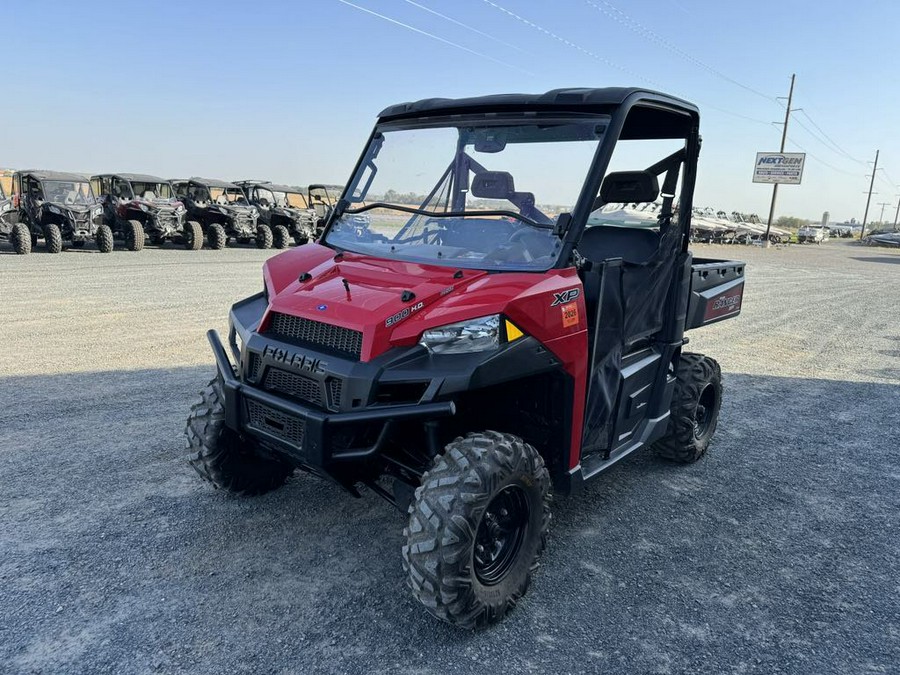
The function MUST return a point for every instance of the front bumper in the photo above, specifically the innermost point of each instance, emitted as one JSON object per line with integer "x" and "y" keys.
{"x": 166, "y": 223}
{"x": 304, "y": 433}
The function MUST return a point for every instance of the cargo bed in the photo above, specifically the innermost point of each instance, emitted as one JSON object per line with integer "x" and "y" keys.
{"x": 717, "y": 288}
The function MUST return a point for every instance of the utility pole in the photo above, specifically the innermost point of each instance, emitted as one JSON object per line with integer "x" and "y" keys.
{"x": 787, "y": 117}
{"x": 862, "y": 232}
{"x": 882, "y": 205}
{"x": 897, "y": 212}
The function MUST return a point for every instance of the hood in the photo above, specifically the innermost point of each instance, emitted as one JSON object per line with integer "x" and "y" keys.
{"x": 235, "y": 208}
{"x": 392, "y": 302}
{"x": 157, "y": 203}
{"x": 74, "y": 208}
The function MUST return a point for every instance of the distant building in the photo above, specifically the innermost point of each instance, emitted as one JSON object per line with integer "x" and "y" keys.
{"x": 825, "y": 217}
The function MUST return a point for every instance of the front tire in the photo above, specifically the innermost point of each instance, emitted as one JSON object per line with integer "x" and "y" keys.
{"x": 134, "y": 236}
{"x": 217, "y": 237}
{"x": 52, "y": 238}
{"x": 104, "y": 238}
{"x": 222, "y": 456}
{"x": 281, "y": 238}
{"x": 263, "y": 236}
{"x": 193, "y": 235}
{"x": 21, "y": 239}
{"x": 477, "y": 528}
{"x": 695, "y": 409}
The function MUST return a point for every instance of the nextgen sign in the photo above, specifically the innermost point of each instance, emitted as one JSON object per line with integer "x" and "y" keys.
{"x": 779, "y": 167}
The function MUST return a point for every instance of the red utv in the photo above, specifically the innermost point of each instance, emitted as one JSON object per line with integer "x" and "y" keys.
{"x": 474, "y": 344}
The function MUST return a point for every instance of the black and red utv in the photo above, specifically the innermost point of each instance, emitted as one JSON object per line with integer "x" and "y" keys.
{"x": 475, "y": 344}
{"x": 139, "y": 207}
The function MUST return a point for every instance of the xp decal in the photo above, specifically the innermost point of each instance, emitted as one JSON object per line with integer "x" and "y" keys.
{"x": 565, "y": 296}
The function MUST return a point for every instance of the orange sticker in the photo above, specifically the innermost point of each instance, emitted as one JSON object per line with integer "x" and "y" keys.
{"x": 570, "y": 314}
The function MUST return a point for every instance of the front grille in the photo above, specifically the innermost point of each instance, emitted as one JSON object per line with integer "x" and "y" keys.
{"x": 344, "y": 340}
{"x": 293, "y": 385}
{"x": 335, "y": 390}
{"x": 265, "y": 418}
{"x": 253, "y": 370}
{"x": 166, "y": 220}
{"x": 244, "y": 223}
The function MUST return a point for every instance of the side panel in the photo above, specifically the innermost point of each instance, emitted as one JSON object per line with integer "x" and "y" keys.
{"x": 717, "y": 290}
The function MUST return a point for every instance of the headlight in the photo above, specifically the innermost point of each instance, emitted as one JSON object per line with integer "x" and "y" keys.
{"x": 144, "y": 208}
{"x": 96, "y": 210}
{"x": 254, "y": 213}
{"x": 55, "y": 209}
{"x": 179, "y": 208}
{"x": 475, "y": 335}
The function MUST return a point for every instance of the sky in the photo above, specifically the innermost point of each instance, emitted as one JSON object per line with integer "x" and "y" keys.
{"x": 288, "y": 91}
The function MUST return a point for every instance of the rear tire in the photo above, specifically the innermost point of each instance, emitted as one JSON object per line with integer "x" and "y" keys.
{"x": 134, "y": 236}
{"x": 217, "y": 237}
{"x": 695, "y": 409}
{"x": 104, "y": 239}
{"x": 281, "y": 238}
{"x": 477, "y": 528}
{"x": 193, "y": 235}
{"x": 263, "y": 236}
{"x": 223, "y": 457}
{"x": 20, "y": 237}
{"x": 52, "y": 238}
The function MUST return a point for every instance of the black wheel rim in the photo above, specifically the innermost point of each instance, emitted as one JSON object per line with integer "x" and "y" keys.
{"x": 500, "y": 535}
{"x": 706, "y": 410}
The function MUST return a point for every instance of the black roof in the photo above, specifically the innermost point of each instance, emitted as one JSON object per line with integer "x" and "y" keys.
{"x": 557, "y": 99}
{"x": 141, "y": 177}
{"x": 208, "y": 182}
{"x": 53, "y": 175}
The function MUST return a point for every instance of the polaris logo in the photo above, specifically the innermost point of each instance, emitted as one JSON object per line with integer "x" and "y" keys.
{"x": 780, "y": 160}
{"x": 565, "y": 296}
{"x": 294, "y": 360}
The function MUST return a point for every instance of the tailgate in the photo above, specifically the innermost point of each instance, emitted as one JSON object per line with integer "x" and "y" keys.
{"x": 717, "y": 288}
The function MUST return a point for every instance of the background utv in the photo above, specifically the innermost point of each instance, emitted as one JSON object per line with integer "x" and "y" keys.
{"x": 284, "y": 209}
{"x": 462, "y": 354}
{"x": 139, "y": 207}
{"x": 60, "y": 207}
{"x": 223, "y": 212}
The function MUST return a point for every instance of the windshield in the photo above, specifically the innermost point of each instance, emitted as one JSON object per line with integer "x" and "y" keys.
{"x": 468, "y": 193}
{"x": 68, "y": 192}
{"x": 268, "y": 197}
{"x": 231, "y": 195}
{"x": 144, "y": 190}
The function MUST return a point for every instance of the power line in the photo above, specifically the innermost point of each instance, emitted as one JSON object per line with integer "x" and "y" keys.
{"x": 464, "y": 25}
{"x": 566, "y": 42}
{"x": 636, "y": 26}
{"x": 828, "y": 138}
{"x": 819, "y": 159}
{"x": 433, "y": 36}
{"x": 602, "y": 59}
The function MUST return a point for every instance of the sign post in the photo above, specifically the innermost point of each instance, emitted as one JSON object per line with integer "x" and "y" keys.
{"x": 787, "y": 118}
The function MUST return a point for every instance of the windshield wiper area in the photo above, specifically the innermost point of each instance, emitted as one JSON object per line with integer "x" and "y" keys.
{"x": 449, "y": 214}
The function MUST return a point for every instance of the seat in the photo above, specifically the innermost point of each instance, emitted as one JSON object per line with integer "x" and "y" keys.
{"x": 604, "y": 242}
{"x": 633, "y": 245}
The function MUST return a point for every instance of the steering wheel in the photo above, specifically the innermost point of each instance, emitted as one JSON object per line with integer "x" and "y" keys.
{"x": 518, "y": 234}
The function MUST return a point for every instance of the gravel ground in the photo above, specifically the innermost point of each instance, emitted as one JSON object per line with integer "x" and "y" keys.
{"x": 777, "y": 553}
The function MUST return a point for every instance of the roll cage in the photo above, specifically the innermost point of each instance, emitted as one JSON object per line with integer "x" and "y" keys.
{"x": 631, "y": 114}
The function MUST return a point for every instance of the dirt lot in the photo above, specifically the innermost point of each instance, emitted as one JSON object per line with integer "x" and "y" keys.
{"x": 778, "y": 553}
